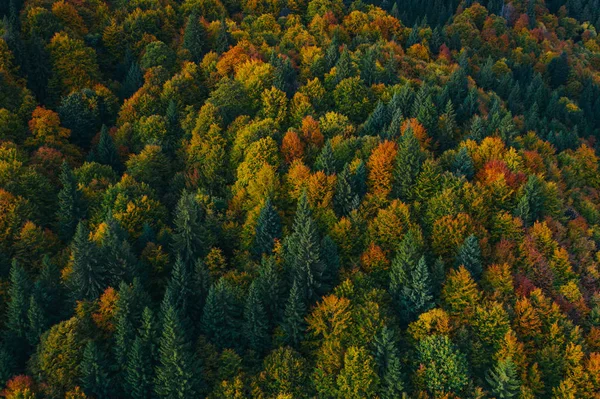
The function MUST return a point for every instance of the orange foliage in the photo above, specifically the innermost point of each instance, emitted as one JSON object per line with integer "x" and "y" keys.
{"x": 291, "y": 147}
{"x": 381, "y": 166}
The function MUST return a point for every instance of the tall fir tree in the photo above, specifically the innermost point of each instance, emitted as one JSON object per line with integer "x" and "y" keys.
{"x": 17, "y": 321}
{"x": 256, "y": 323}
{"x": 195, "y": 38}
{"x": 70, "y": 204}
{"x": 503, "y": 379}
{"x": 345, "y": 200}
{"x": 326, "y": 160}
{"x": 88, "y": 274}
{"x": 222, "y": 317}
{"x": 95, "y": 378}
{"x": 133, "y": 80}
{"x": 189, "y": 235}
{"x": 105, "y": 151}
{"x": 267, "y": 230}
{"x": 271, "y": 287}
{"x": 469, "y": 255}
{"x": 223, "y": 40}
{"x": 389, "y": 365}
{"x": 409, "y": 160}
{"x": 293, "y": 324}
{"x": 139, "y": 372}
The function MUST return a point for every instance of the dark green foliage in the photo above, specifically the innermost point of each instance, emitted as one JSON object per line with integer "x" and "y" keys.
{"x": 223, "y": 40}
{"x": 95, "y": 380}
{"x": 88, "y": 275}
{"x": 139, "y": 373}
{"x": 409, "y": 159}
{"x": 345, "y": 200}
{"x": 559, "y": 70}
{"x": 326, "y": 161}
{"x": 446, "y": 368}
{"x": 271, "y": 287}
{"x": 133, "y": 80}
{"x": 285, "y": 75}
{"x": 222, "y": 316}
{"x": 255, "y": 327}
{"x": 189, "y": 234}
{"x": 268, "y": 229}
{"x": 79, "y": 112}
{"x": 70, "y": 204}
{"x": 195, "y": 38}
{"x": 503, "y": 379}
{"x": 293, "y": 324}
{"x": 105, "y": 151}
{"x": 469, "y": 256}
{"x": 331, "y": 259}
{"x": 462, "y": 165}
{"x": 17, "y": 321}
{"x": 389, "y": 365}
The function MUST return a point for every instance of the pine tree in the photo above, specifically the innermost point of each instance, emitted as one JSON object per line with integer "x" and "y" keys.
{"x": 95, "y": 379}
{"x": 344, "y": 68}
{"x": 284, "y": 77}
{"x": 133, "y": 81}
{"x": 70, "y": 204}
{"x": 139, "y": 372}
{"x": 559, "y": 70}
{"x": 326, "y": 160}
{"x": 194, "y": 38}
{"x": 409, "y": 159}
{"x": 88, "y": 275}
{"x": 189, "y": 235}
{"x": 17, "y": 322}
{"x": 344, "y": 199}
{"x": 271, "y": 289}
{"x": 177, "y": 375}
{"x": 116, "y": 254}
{"x": 503, "y": 379}
{"x": 49, "y": 291}
{"x": 38, "y": 321}
{"x": 256, "y": 324}
{"x": 293, "y": 325}
{"x": 469, "y": 255}
{"x": 377, "y": 120}
{"x": 106, "y": 152}
{"x": 303, "y": 253}
{"x": 359, "y": 180}
{"x": 462, "y": 164}
{"x": 222, "y": 316}
{"x": 389, "y": 365}
{"x": 223, "y": 40}
{"x": 331, "y": 260}
{"x": 268, "y": 229}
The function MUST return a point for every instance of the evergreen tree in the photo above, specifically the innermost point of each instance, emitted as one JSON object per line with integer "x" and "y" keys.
{"x": 343, "y": 67}
{"x": 462, "y": 164}
{"x": 284, "y": 77}
{"x": 17, "y": 322}
{"x": 409, "y": 159}
{"x": 344, "y": 199}
{"x": 559, "y": 70}
{"x": 256, "y": 324}
{"x": 95, "y": 379}
{"x": 268, "y": 229}
{"x": 223, "y": 40}
{"x": 49, "y": 291}
{"x": 389, "y": 365}
{"x": 359, "y": 180}
{"x": 331, "y": 260}
{"x": 139, "y": 373}
{"x": 377, "y": 120}
{"x": 503, "y": 379}
{"x": 293, "y": 325}
{"x": 133, "y": 80}
{"x": 177, "y": 374}
{"x": 469, "y": 255}
{"x": 106, "y": 152}
{"x": 271, "y": 289}
{"x": 189, "y": 235}
{"x": 38, "y": 321}
{"x": 116, "y": 254}
{"x": 222, "y": 316}
{"x": 303, "y": 253}
{"x": 88, "y": 275}
{"x": 326, "y": 160}
{"x": 194, "y": 37}
{"x": 70, "y": 204}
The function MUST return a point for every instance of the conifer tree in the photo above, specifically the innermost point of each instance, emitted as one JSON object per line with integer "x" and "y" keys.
{"x": 222, "y": 316}
{"x": 177, "y": 371}
{"x": 95, "y": 379}
{"x": 462, "y": 164}
{"x": 503, "y": 379}
{"x": 343, "y": 67}
{"x": 331, "y": 260}
{"x": 345, "y": 200}
{"x": 326, "y": 161}
{"x": 256, "y": 324}
{"x": 268, "y": 229}
{"x": 409, "y": 159}
{"x": 139, "y": 373}
{"x": 17, "y": 322}
{"x": 359, "y": 180}
{"x": 189, "y": 235}
{"x": 38, "y": 321}
{"x": 116, "y": 254}
{"x": 293, "y": 325}
{"x": 223, "y": 40}
{"x": 271, "y": 287}
{"x": 106, "y": 152}
{"x": 133, "y": 80}
{"x": 88, "y": 275}
{"x": 377, "y": 120}
{"x": 284, "y": 78}
{"x": 70, "y": 204}
{"x": 469, "y": 255}
{"x": 194, "y": 37}
{"x": 389, "y": 365}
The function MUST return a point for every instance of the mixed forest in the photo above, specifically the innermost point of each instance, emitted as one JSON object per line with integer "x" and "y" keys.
{"x": 281, "y": 199}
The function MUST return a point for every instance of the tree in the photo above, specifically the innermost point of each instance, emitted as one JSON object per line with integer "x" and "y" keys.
{"x": 255, "y": 327}
{"x": 222, "y": 316}
{"x": 389, "y": 365}
{"x": 503, "y": 379}
{"x": 79, "y": 112}
{"x": 409, "y": 159}
{"x": 95, "y": 379}
{"x": 17, "y": 322}
{"x": 194, "y": 37}
{"x": 133, "y": 80}
{"x": 105, "y": 152}
{"x": 223, "y": 40}
{"x": 345, "y": 200}
{"x": 268, "y": 229}
{"x": 358, "y": 378}
{"x": 469, "y": 255}
{"x": 189, "y": 237}
{"x": 326, "y": 161}
{"x": 559, "y": 70}
{"x": 271, "y": 288}
{"x": 139, "y": 373}
{"x": 177, "y": 373}
{"x": 88, "y": 275}
{"x": 442, "y": 367}
{"x": 293, "y": 324}
{"x": 462, "y": 164}
{"x": 70, "y": 204}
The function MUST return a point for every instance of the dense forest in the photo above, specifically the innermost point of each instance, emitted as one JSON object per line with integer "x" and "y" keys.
{"x": 299, "y": 199}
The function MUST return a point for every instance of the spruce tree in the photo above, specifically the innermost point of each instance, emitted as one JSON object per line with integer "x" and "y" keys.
{"x": 409, "y": 160}
{"x": 223, "y": 40}
{"x": 389, "y": 365}
{"x": 17, "y": 321}
{"x": 194, "y": 38}
{"x": 284, "y": 77}
{"x": 344, "y": 68}
{"x": 326, "y": 160}
{"x": 345, "y": 200}
{"x": 70, "y": 204}
{"x": 106, "y": 152}
{"x": 177, "y": 374}
{"x": 222, "y": 316}
{"x": 133, "y": 80}
{"x": 271, "y": 289}
{"x": 462, "y": 164}
{"x": 38, "y": 321}
{"x": 95, "y": 379}
{"x": 503, "y": 379}
{"x": 88, "y": 275}
{"x": 181, "y": 290}
{"x": 293, "y": 325}
{"x": 331, "y": 260}
{"x": 139, "y": 372}
{"x": 377, "y": 120}
{"x": 116, "y": 254}
{"x": 268, "y": 229}
{"x": 189, "y": 234}
{"x": 256, "y": 324}
{"x": 469, "y": 255}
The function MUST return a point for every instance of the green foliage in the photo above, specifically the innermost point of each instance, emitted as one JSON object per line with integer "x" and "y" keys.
{"x": 503, "y": 379}
{"x": 444, "y": 367}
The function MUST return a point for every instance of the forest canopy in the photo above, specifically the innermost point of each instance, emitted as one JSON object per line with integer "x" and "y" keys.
{"x": 299, "y": 199}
